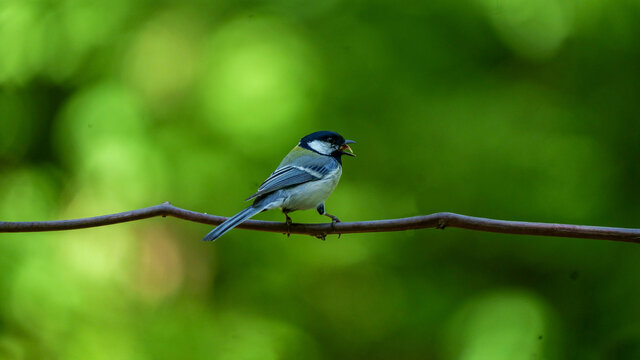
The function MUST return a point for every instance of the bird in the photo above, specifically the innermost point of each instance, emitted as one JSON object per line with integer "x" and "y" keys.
{"x": 304, "y": 180}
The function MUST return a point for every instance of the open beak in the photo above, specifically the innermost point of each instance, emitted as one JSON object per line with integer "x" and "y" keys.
{"x": 346, "y": 150}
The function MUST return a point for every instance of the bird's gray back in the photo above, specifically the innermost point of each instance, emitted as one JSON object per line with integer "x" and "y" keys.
{"x": 298, "y": 167}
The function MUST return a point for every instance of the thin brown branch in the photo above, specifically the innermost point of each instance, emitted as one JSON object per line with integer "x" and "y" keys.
{"x": 437, "y": 220}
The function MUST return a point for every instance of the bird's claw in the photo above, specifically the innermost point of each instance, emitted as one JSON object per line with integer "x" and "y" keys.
{"x": 288, "y": 233}
{"x": 335, "y": 220}
{"x": 288, "y": 221}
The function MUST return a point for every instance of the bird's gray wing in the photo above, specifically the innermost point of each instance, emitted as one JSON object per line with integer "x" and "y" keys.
{"x": 296, "y": 173}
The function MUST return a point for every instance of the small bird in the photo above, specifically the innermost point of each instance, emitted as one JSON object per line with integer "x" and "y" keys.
{"x": 304, "y": 180}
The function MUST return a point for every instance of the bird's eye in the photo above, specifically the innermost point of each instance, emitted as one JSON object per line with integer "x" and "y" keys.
{"x": 330, "y": 139}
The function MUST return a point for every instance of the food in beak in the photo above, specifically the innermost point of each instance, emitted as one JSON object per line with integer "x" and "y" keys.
{"x": 346, "y": 149}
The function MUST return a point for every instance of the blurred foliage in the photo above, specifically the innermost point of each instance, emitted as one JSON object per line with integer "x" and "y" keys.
{"x": 500, "y": 108}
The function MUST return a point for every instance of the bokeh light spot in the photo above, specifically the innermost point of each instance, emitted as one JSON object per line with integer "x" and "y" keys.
{"x": 27, "y": 194}
{"x": 19, "y": 26}
{"x": 502, "y": 325}
{"x": 259, "y": 75}
{"x": 101, "y": 114}
{"x": 162, "y": 60}
{"x": 533, "y": 29}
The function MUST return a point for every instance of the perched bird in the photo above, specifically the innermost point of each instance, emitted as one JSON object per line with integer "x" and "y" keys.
{"x": 304, "y": 180}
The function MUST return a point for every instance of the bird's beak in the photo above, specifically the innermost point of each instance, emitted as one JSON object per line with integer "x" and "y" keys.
{"x": 346, "y": 150}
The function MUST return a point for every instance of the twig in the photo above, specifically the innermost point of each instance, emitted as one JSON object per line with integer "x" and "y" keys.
{"x": 437, "y": 220}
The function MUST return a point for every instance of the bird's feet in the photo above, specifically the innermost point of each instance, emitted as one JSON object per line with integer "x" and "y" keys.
{"x": 288, "y": 221}
{"x": 334, "y": 220}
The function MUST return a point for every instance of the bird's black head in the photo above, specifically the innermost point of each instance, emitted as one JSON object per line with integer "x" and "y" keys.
{"x": 327, "y": 143}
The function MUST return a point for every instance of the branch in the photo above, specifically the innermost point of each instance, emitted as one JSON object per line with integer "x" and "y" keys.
{"x": 437, "y": 220}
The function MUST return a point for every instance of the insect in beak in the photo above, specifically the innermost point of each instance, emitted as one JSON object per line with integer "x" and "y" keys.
{"x": 346, "y": 149}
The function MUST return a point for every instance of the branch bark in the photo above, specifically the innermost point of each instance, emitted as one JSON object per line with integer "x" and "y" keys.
{"x": 438, "y": 220}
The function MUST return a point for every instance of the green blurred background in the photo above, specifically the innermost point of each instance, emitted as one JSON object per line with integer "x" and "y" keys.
{"x": 513, "y": 109}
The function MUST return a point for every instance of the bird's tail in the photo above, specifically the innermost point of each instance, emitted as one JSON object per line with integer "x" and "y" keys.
{"x": 232, "y": 222}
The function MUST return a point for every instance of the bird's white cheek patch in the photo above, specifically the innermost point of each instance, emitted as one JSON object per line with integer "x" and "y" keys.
{"x": 322, "y": 147}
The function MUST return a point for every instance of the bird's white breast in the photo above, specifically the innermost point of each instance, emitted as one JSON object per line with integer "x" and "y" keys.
{"x": 313, "y": 193}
